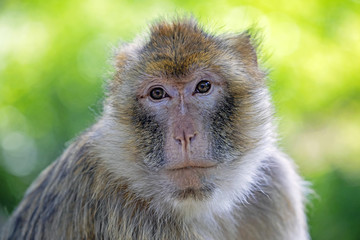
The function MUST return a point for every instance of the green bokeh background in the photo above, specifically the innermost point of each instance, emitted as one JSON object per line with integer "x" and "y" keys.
{"x": 54, "y": 57}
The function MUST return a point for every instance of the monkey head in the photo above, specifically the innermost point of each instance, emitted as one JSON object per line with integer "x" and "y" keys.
{"x": 186, "y": 107}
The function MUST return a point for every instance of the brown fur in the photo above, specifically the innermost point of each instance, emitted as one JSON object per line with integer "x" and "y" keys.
{"x": 110, "y": 183}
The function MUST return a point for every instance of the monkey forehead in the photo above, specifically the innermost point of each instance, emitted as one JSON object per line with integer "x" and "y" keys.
{"x": 177, "y": 48}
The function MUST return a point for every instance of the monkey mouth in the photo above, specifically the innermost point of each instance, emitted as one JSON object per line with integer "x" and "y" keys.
{"x": 191, "y": 166}
{"x": 190, "y": 175}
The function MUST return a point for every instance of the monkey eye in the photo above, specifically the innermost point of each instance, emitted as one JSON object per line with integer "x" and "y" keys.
{"x": 203, "y": 86}
{"x": 158, "y": 93}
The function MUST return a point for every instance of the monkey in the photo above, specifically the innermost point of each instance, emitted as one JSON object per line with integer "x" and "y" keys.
{"x": 186, "y": 148}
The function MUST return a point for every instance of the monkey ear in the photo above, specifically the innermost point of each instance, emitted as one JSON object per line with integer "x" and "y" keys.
{"x": 123, "y": 54}
{"x": 245, "y": 47}
{"x": 120, "y": 60}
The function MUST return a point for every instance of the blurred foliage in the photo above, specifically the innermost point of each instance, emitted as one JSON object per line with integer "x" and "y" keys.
{"x": 54, "y": 59}
{"x": 335, "y": 211}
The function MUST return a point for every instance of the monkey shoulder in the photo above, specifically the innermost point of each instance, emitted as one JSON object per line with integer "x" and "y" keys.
{"x": 52, "y": 203}
{"x": 276, "y": 204}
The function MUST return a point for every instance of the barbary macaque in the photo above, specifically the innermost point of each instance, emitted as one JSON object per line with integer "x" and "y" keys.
{"x": 185, "y": 149}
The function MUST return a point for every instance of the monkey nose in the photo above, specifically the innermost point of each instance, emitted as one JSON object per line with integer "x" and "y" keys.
{"x": 185, "y": 137}
{"x": 184, "y": 131}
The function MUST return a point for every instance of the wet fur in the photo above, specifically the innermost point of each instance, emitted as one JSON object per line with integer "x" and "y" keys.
{"x": 105, "y": 185}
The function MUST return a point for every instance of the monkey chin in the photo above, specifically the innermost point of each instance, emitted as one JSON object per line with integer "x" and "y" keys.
{"x": 192, "y": 183}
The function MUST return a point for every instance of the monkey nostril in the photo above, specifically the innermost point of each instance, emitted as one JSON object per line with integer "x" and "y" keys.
{"x": 178, "y": 140}
{"x": 192, "y": 137}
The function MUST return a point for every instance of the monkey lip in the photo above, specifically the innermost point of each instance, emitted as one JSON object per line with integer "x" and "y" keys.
{"x": 189, "y": 166}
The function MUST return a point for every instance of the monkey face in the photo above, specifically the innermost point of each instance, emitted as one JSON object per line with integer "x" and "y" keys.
{"x": 189, "y": 105}
{"x": 188, "y": 130}
{"x": 178, "y": 118}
